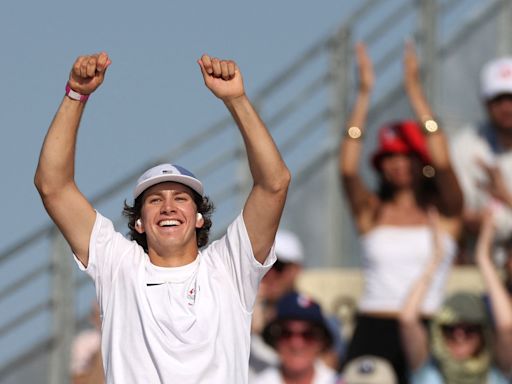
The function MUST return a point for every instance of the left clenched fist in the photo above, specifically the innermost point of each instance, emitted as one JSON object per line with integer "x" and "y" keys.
{"x": 222, "y": 77}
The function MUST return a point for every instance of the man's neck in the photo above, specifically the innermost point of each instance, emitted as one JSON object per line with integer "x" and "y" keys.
{"x": 172, "y": 259}
{"x": 304, "y": 377}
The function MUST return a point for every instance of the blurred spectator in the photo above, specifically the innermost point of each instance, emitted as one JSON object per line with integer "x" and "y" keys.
{"x": 279, "y": 280}
{"x": 299, "y": 333}
{"x": 415, "y": 174}
{"x": 85, "y": 364}
{"x": 482, "y": 155}
{"x": 282, "y": 277}
{"x": 461, "y": 347}
{"x": 368, "y": 370}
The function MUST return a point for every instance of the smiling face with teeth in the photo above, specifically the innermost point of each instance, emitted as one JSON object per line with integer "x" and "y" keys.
{"x": 168, "y": 218}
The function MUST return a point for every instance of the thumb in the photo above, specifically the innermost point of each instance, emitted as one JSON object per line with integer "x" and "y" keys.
{"x": 103, "y": 62}
{"x": 203, "y": 69}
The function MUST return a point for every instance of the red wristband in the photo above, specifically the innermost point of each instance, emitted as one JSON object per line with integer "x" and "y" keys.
{"x": 75, "y": 95}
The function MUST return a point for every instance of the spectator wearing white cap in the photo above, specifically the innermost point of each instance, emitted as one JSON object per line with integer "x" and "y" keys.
{"x": 368, "y": 370}
{"x": 279, "y": 280}
{"x": 282, "y": 277}
{"x": 482, "y": 154}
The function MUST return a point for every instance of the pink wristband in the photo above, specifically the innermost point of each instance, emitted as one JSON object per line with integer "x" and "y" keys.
{"x": 75, "y": 95}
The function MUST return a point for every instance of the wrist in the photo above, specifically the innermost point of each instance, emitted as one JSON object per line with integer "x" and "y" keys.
{"x": 354, "y": 132}
{"x": 233, "y": 101}
{"x": 365, "y": 91}
{"x": 74, "y": 95}
{"x": 429, "y": 125}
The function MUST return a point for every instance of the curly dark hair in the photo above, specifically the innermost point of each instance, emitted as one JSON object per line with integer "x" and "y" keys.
{"x": 204, "y": 206}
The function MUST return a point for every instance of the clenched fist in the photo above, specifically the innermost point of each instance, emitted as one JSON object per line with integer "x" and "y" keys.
{"x": 88, "y": 72}
{"x": 222, "y": 77}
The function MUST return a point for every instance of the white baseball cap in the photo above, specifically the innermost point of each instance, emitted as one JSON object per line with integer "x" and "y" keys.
{"x": 167, "y": 172}
{"x": 288, "y": 247}
{"x": 369, "y": 370}
{"x": 496, "y": 78}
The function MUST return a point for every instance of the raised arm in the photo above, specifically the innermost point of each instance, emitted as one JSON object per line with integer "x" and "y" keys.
{"x": 54, "y": 178}
{"x": 414, "y": 335}
{"x": 450, "y": 193}
{"x": 264, "y": 206}
{"x": 358, "y": 195}
{"x": 501, "y": 303}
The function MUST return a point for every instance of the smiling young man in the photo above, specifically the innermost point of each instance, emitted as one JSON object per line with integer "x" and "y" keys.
{"x": 171, "y": 313}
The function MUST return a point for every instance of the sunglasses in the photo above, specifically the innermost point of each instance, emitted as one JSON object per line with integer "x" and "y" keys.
{"x": 308, "y": 335}
{"x": 467, "y": 329}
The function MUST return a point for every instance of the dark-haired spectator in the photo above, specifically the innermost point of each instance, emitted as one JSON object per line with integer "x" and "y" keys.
{"x": 415, "y": 174}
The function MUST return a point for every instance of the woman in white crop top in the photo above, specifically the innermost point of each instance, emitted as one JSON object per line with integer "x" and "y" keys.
{"x": 415, "y": 175}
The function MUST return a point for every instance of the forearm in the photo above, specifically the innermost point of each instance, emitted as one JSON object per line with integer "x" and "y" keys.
{"x": 437, "y": 144}
{"x": 500, "y": 300}
{"x": 350, "y": 151}
{"x": 411, "y": 311}
{"x": 502, "y": 313}
{"x": 264, "y": 206}
{"x": 451, "y": 198}
{"x": 414, "y": 335}
{"x": 265, "y": 162}
{"x": 57, "y": 158}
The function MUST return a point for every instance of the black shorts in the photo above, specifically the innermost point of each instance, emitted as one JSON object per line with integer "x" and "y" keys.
{"x": 379, "y": 337}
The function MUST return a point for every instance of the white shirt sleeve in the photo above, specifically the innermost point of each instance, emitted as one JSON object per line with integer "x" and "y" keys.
{"x": 234, "y": 253}
{"x": 108, "y": 252}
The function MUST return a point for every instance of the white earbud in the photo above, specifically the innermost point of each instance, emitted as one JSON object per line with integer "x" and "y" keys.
{"x": 138, "y": 223}
{"x": 199, "y": 216}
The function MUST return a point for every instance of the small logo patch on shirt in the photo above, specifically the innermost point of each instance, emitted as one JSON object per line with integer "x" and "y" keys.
{"x": 191, "y": 296}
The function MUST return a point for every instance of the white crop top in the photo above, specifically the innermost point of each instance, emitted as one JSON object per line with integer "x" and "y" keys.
{"x": 393, "y": 258}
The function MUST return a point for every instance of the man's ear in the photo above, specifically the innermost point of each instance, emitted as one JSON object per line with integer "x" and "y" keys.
{"x": 139, "y": 227}
{"x": 199, "y": 220}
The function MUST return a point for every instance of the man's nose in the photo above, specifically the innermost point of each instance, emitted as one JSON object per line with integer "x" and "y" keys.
{"x": 167, "y": 206}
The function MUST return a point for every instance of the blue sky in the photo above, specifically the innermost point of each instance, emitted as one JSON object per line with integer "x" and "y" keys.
{"x": 153, "y": 95}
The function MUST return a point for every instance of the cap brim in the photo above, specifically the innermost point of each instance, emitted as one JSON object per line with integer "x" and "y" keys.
{"x": 491, "y": 94}
{"x": 190, "y": 182}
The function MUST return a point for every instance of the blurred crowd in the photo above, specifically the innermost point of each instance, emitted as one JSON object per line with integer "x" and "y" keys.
{"x": 440, "y": 201}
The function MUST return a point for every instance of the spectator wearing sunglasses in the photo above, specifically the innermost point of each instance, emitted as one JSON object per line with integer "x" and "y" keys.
{"x": 464, "y": 346}
{"x": 279, "y": 280}
{"x": 299, "y": 334}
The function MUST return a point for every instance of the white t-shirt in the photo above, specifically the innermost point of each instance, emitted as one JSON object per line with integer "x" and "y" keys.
{"x": 272, "y": 375}
{"x": 394, "y": 257}
{"x": 188, "y": 324}
{"x": 468, "y": 146}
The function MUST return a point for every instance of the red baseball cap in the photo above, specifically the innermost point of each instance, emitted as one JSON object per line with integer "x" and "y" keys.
{"x": 401, "y": 137}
